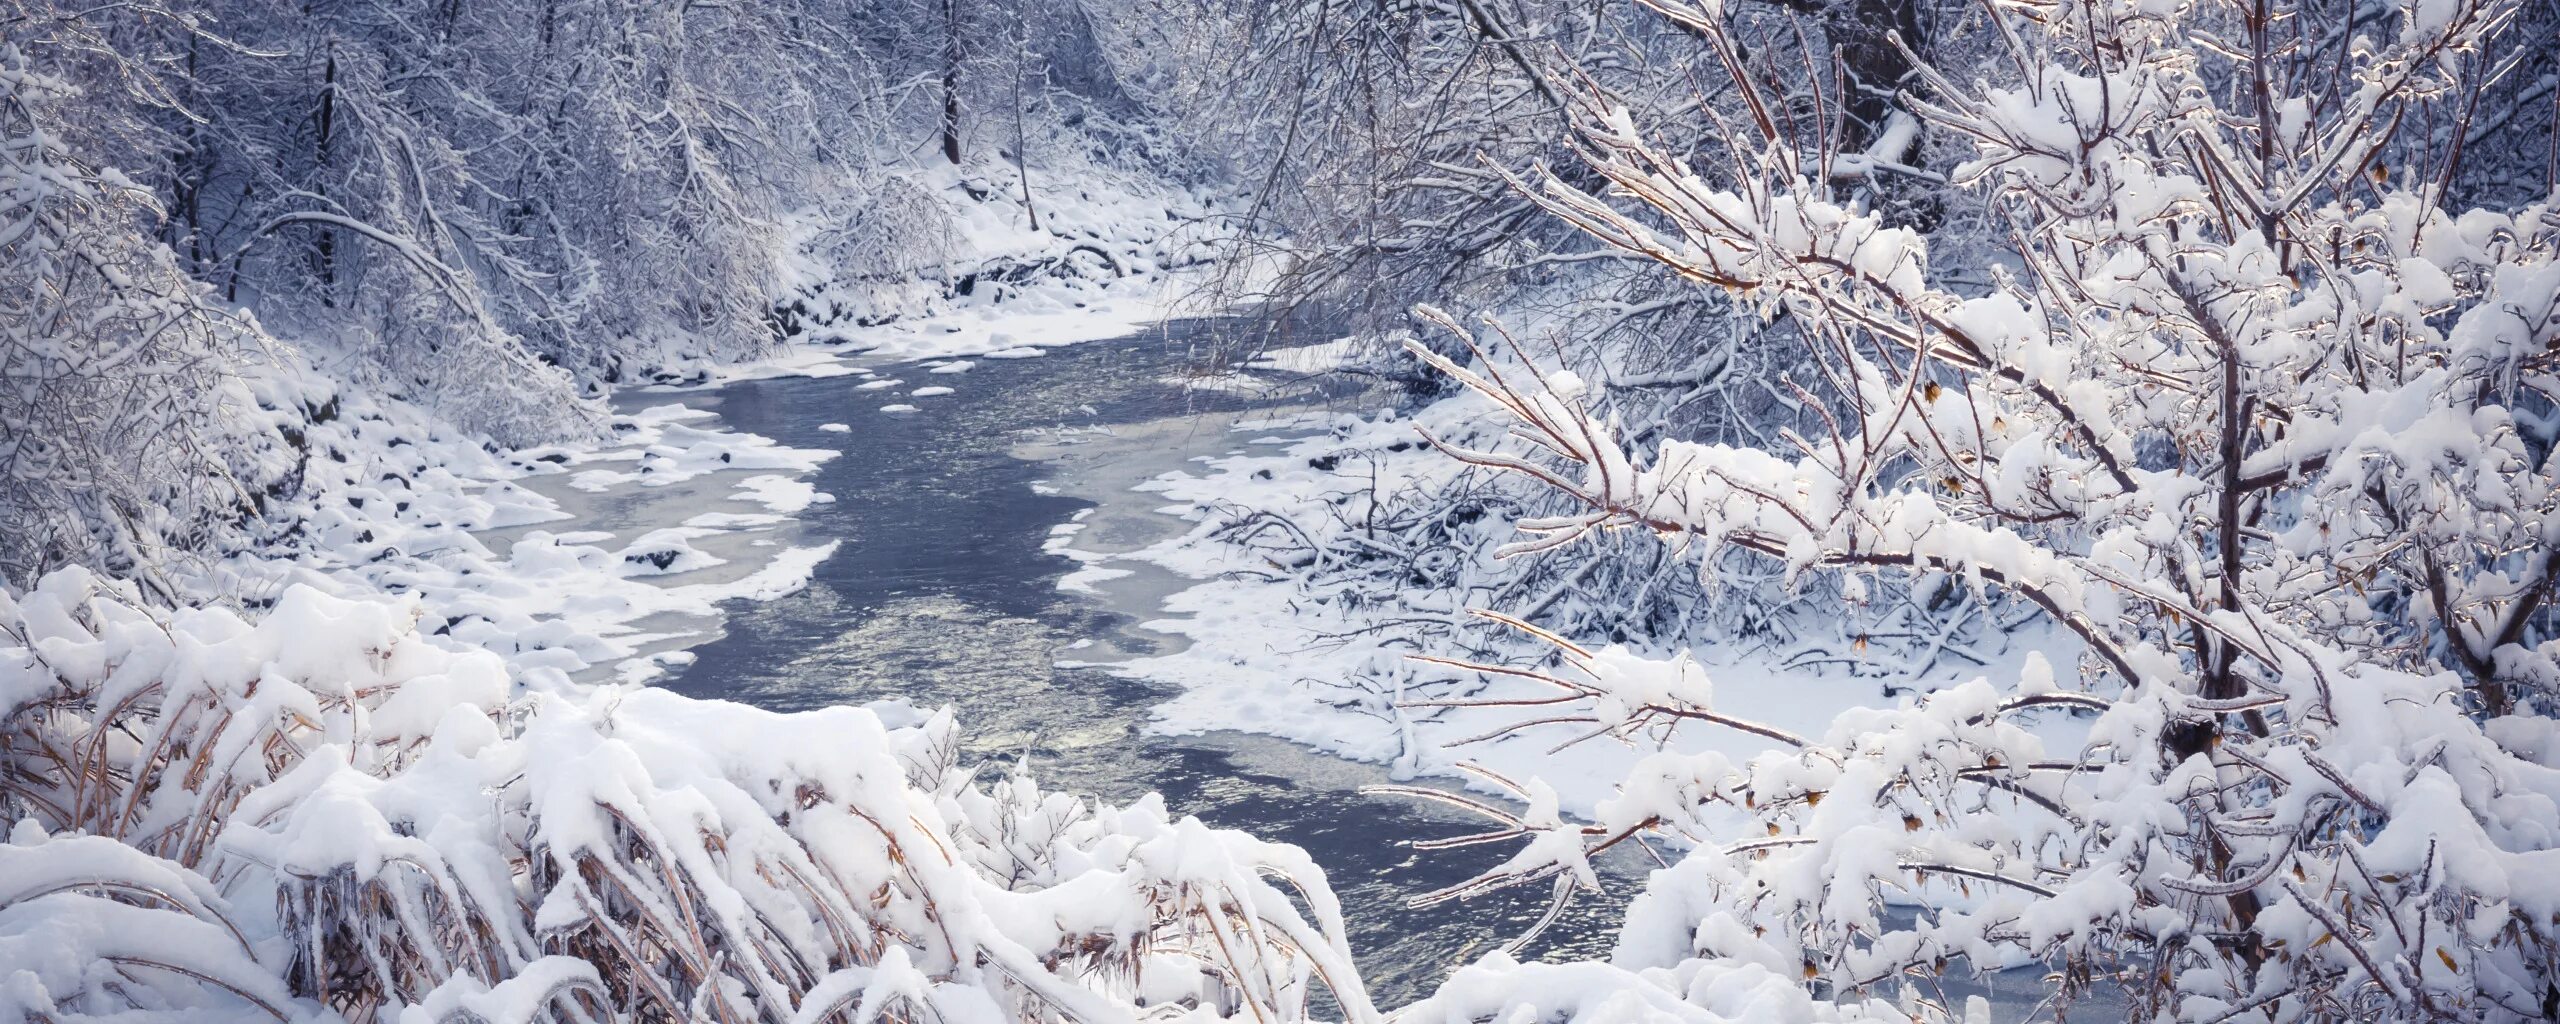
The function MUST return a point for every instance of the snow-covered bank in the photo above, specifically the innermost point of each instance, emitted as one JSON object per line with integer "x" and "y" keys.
{"x": 1105, "y": 253}
{"x": 393, "y": 502}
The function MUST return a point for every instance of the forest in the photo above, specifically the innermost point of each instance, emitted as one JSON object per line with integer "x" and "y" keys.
{"x": 1431, "y": 511}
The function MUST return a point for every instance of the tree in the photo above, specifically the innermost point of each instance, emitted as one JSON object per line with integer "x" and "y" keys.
{"x": 2262, "y": 427}
{"x": 122, "y": 434}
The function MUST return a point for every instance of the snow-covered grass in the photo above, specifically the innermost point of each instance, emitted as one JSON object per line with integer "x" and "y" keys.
{"x": 320, "y": 812}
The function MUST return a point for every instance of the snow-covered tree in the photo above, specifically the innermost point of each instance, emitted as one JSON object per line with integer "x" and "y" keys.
{"x": 2260, "y": 423}
{"x": 1374, "y": 137}
{"x": 121, "y": 430}
{"x": 493, "y": 211}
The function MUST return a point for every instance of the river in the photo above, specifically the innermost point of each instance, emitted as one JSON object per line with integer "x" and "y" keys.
{"x": 941, "y": 593}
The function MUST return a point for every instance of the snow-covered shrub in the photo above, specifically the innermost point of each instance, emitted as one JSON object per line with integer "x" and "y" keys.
{"x": 2254, "y": 419}
{"x": 1364, "y": 208}
{"x": 323, "y": 811}
{"x": 879, "y": 249}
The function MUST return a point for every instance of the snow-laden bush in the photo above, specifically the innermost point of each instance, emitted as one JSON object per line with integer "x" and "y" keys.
{"x": 2258, "y": 422}
{"x": 323, "y": 813}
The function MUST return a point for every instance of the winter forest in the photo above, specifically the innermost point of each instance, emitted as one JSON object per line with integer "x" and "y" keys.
{"x": 1418, "y": 511}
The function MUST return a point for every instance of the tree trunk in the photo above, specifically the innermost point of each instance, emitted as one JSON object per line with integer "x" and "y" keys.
{"x": 1021, "y": 139}
{"x": 951, "y": 80}
{"x": 327, "y": 118}
{"x": 1872, "y": 67}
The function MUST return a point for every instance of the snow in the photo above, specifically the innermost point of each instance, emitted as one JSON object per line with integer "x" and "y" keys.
{"x": 669, "y": 552}
{"x": 405, "y": 753}
{"x": 456, "y": 661}
{"x": 670, "y": 444}
{"x": 1312, "y": 359}
{"x": 1087, "y": 580}
{"x": 780, "y": 493}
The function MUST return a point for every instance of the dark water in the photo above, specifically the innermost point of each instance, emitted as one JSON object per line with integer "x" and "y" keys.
{"x": 941, "y": 594}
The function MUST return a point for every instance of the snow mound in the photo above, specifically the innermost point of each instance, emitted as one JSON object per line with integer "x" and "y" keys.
{"x": 781, "y": 493}
{"x": 668, "y": 552}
